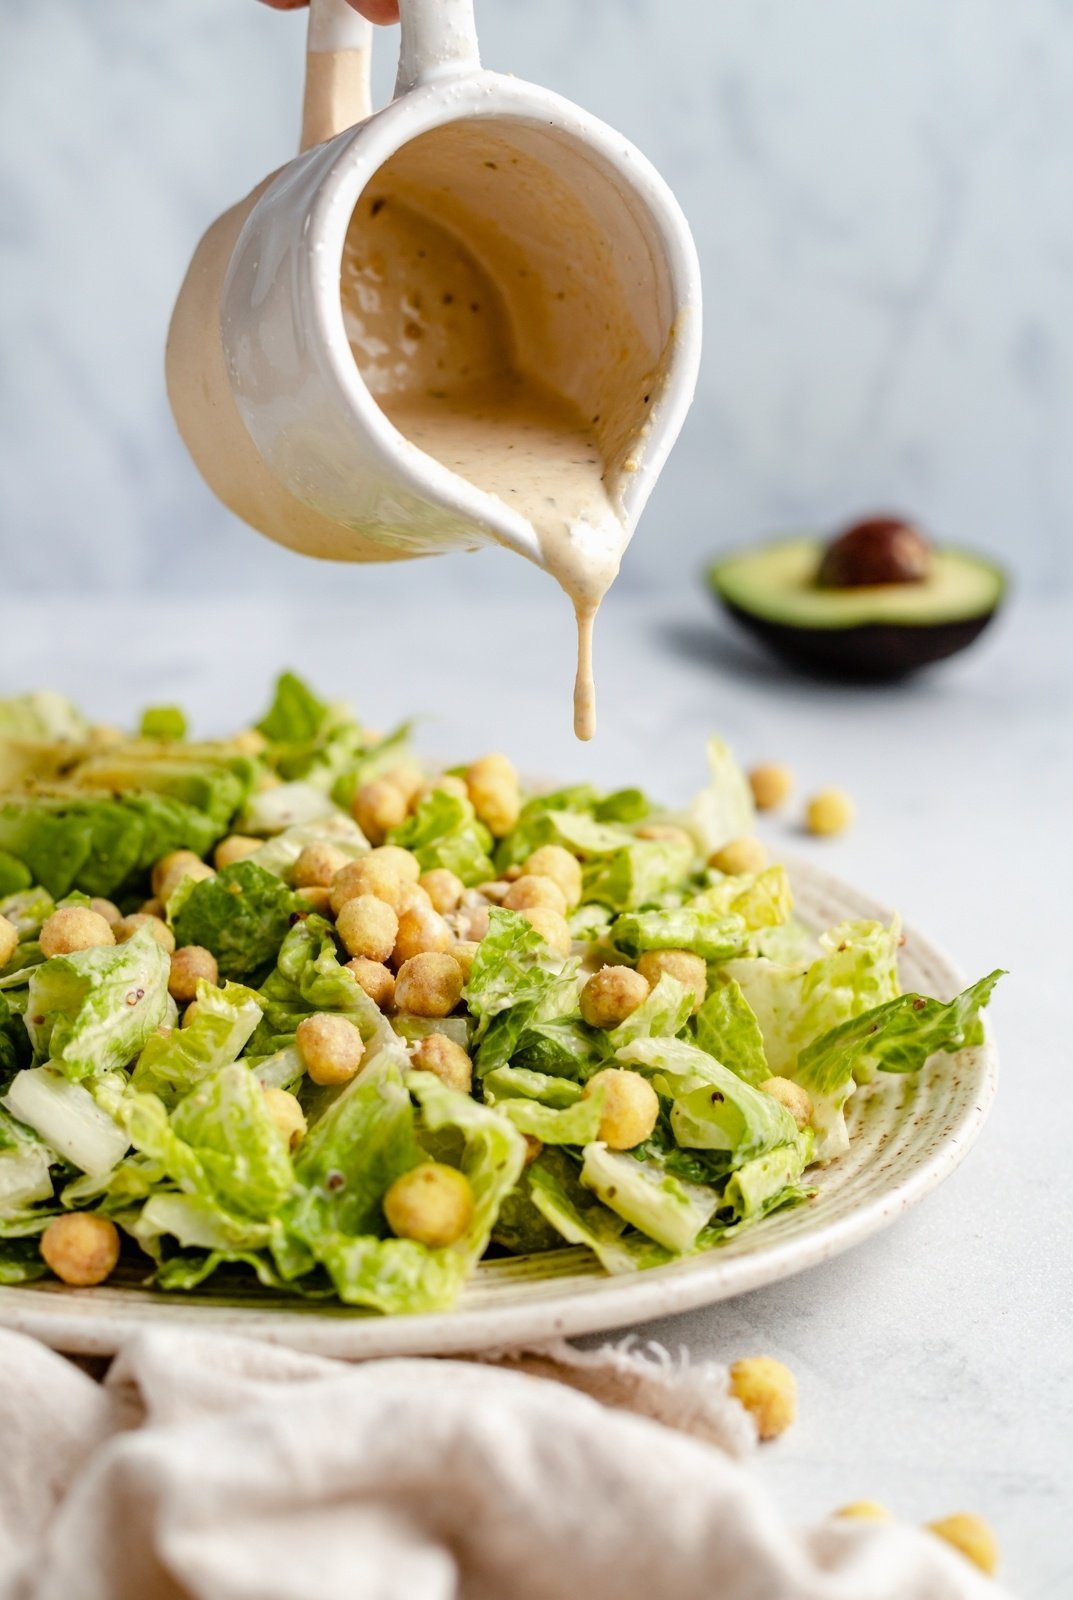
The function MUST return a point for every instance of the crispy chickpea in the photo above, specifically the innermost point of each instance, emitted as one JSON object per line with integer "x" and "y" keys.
{"x": 429, "y": 984}
{"x": 436, "y": 1053}
{"x": 377, "y": 980}
{"x": 443, "y": 887}
{"x": 530, "y": 891}
{"x": 81, "y": 1248}
{"x": 972, "y": 1536}
{"x": 414, "y": 898}
{"x": 250, "y": 742}
{"x": 471, "y": 923}
{"x": 829, "y": 812}
{"x": 188, "y": 966}
{"x": 317, "y": 865}
{"x": 104, "y": 908}
{"x": 554, "y": 862}
{"x": 768, "y": 1392}
{"x": 236, "y": 847}
{"x": 287, "y": 1114}
{"x": 689, "y": 969}
{"x": 368, "y": 875}
{"x": 420, "y": 932}
{"x": 190, "y": 1015}
{"x": 407, "y": 778}
{"x": 492, "y": 784}
{"x": 740, "y": 855}
{"x": 495, "y": 890}
{"x": 512, "y": 874}
{"x": 796, "y": 1099}
{"x": 664, "y": 832}
{"x": 127, "y": 927}
{"x": 404, "y": 862}
{"x": 317, "y": 899}
{"x": 151, "y": 908}
{"x": 465, "y": 953}
{"x": 74, "y": 928}
{"x": 102, "y": 734}
{"x": 368, "y": 927}
{"x": 378, "y": 807}
{"x": 771, "y": 785}
{"x": 631, "y": 1107}
{"x": 171, "y": 869}
{"x": 552, "y": 927}
{"x": 865, "y": 1511}
{"x": 446, "y": 783}
{"x": 330, "y": 1046}
{"x": 432, "y": 1203}
{"x": 610, "y": 996}
{"x": 9, "y": 940}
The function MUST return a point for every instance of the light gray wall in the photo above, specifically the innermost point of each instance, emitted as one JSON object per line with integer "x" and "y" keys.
{"x": 881, "y": 192}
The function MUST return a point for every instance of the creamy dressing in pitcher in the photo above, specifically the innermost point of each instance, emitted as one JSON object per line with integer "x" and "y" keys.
{"x": 430, "y": 336}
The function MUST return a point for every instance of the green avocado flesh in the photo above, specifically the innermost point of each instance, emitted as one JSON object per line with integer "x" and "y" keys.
{"x": 777, "y": 584}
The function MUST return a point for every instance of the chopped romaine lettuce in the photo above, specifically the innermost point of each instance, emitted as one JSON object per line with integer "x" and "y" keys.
{"x": 707, "y": 933}
{"x": 67, "y": 1118}
{"x": 92, "y": 1011}
{"x": 172, "y": 1064}
{"x": 761, "y": 899}
{"x": 724, "y": 810}
{"x": 579, "y": 1217}
{"x": 666, "y": 1208}
{"x": 242, "y": 915}
{"x": 711, "y": 1107}
{"x": 444, "y": 832}
{"x": 726, "y": 1027}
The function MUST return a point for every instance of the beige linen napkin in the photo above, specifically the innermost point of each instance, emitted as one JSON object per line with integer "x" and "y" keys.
{"x": 224, "y": 1469}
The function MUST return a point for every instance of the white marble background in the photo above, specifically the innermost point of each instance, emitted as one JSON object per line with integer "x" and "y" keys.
{"x": 880, "y": 193}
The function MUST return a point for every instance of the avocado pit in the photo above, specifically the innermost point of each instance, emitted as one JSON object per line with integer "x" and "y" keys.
{"x": 875, "y": 551}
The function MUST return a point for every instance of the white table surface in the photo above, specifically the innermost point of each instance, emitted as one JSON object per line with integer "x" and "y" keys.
{"x": 935, "y": 1362}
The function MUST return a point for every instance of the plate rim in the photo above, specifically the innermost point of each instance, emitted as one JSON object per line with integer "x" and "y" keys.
{"x": 54, "y": 1316}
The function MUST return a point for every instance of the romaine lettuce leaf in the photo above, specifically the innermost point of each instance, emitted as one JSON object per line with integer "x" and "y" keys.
{"x": 577, "y": 1124}
{"x": 663, "y": 1207}
{"x": 761, "y": 899}
{"x": 712, "y": 1108}
{"x": 287, "y": 805}
{"x": 515, "y": 983}
{"x": 172, "y": 1064}
{"x": 43, "y": 714}
{"x": 219, "y": 1144}
{"x": 507, "y": 1083}
{"x": 565, "y": 1048}
{"x": 162, "y": 722}
{"x": 242, "y": 915}
{"x": 20, "y": 1261}
{"x": 91, "y": 1012}
{"x": 444, "y": 832}
{"x": 278, "y": 854}
{"x": 726, "y": 1028}
{"x": 24, "y": 1166}
{"x": 67, "y": 1118}
{"x": 637, "y": 873}
{"x": 707, "y": 933}
{"x": 897, "y": 1036}
{"x": 724, "y": 810}
{"x": 579, "y": 1218}
{"x": 858, "y": 969}
{"x": 663, "y": 1014}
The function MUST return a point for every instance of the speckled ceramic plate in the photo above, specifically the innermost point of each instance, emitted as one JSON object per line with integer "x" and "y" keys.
{"x": 908, "y": 1134}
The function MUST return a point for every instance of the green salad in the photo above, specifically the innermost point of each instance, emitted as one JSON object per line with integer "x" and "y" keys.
{"x": 296, "y": 1005}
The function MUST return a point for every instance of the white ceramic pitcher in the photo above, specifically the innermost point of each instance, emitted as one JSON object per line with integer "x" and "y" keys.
{"x": 263, "y": 383}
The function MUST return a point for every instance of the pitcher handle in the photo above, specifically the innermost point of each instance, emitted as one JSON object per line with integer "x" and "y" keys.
{"x": 338, "y": 56}
{"x": 439, "y": 40}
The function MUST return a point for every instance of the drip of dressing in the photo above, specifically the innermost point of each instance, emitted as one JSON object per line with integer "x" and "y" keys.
{"x": 430, "y": 336}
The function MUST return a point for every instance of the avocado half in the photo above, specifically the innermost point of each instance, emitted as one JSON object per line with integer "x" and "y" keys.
{"x": 875, "y": 631}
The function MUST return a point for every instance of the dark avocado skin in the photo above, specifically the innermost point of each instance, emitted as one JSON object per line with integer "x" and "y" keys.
{"x": 873, "y": 652}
